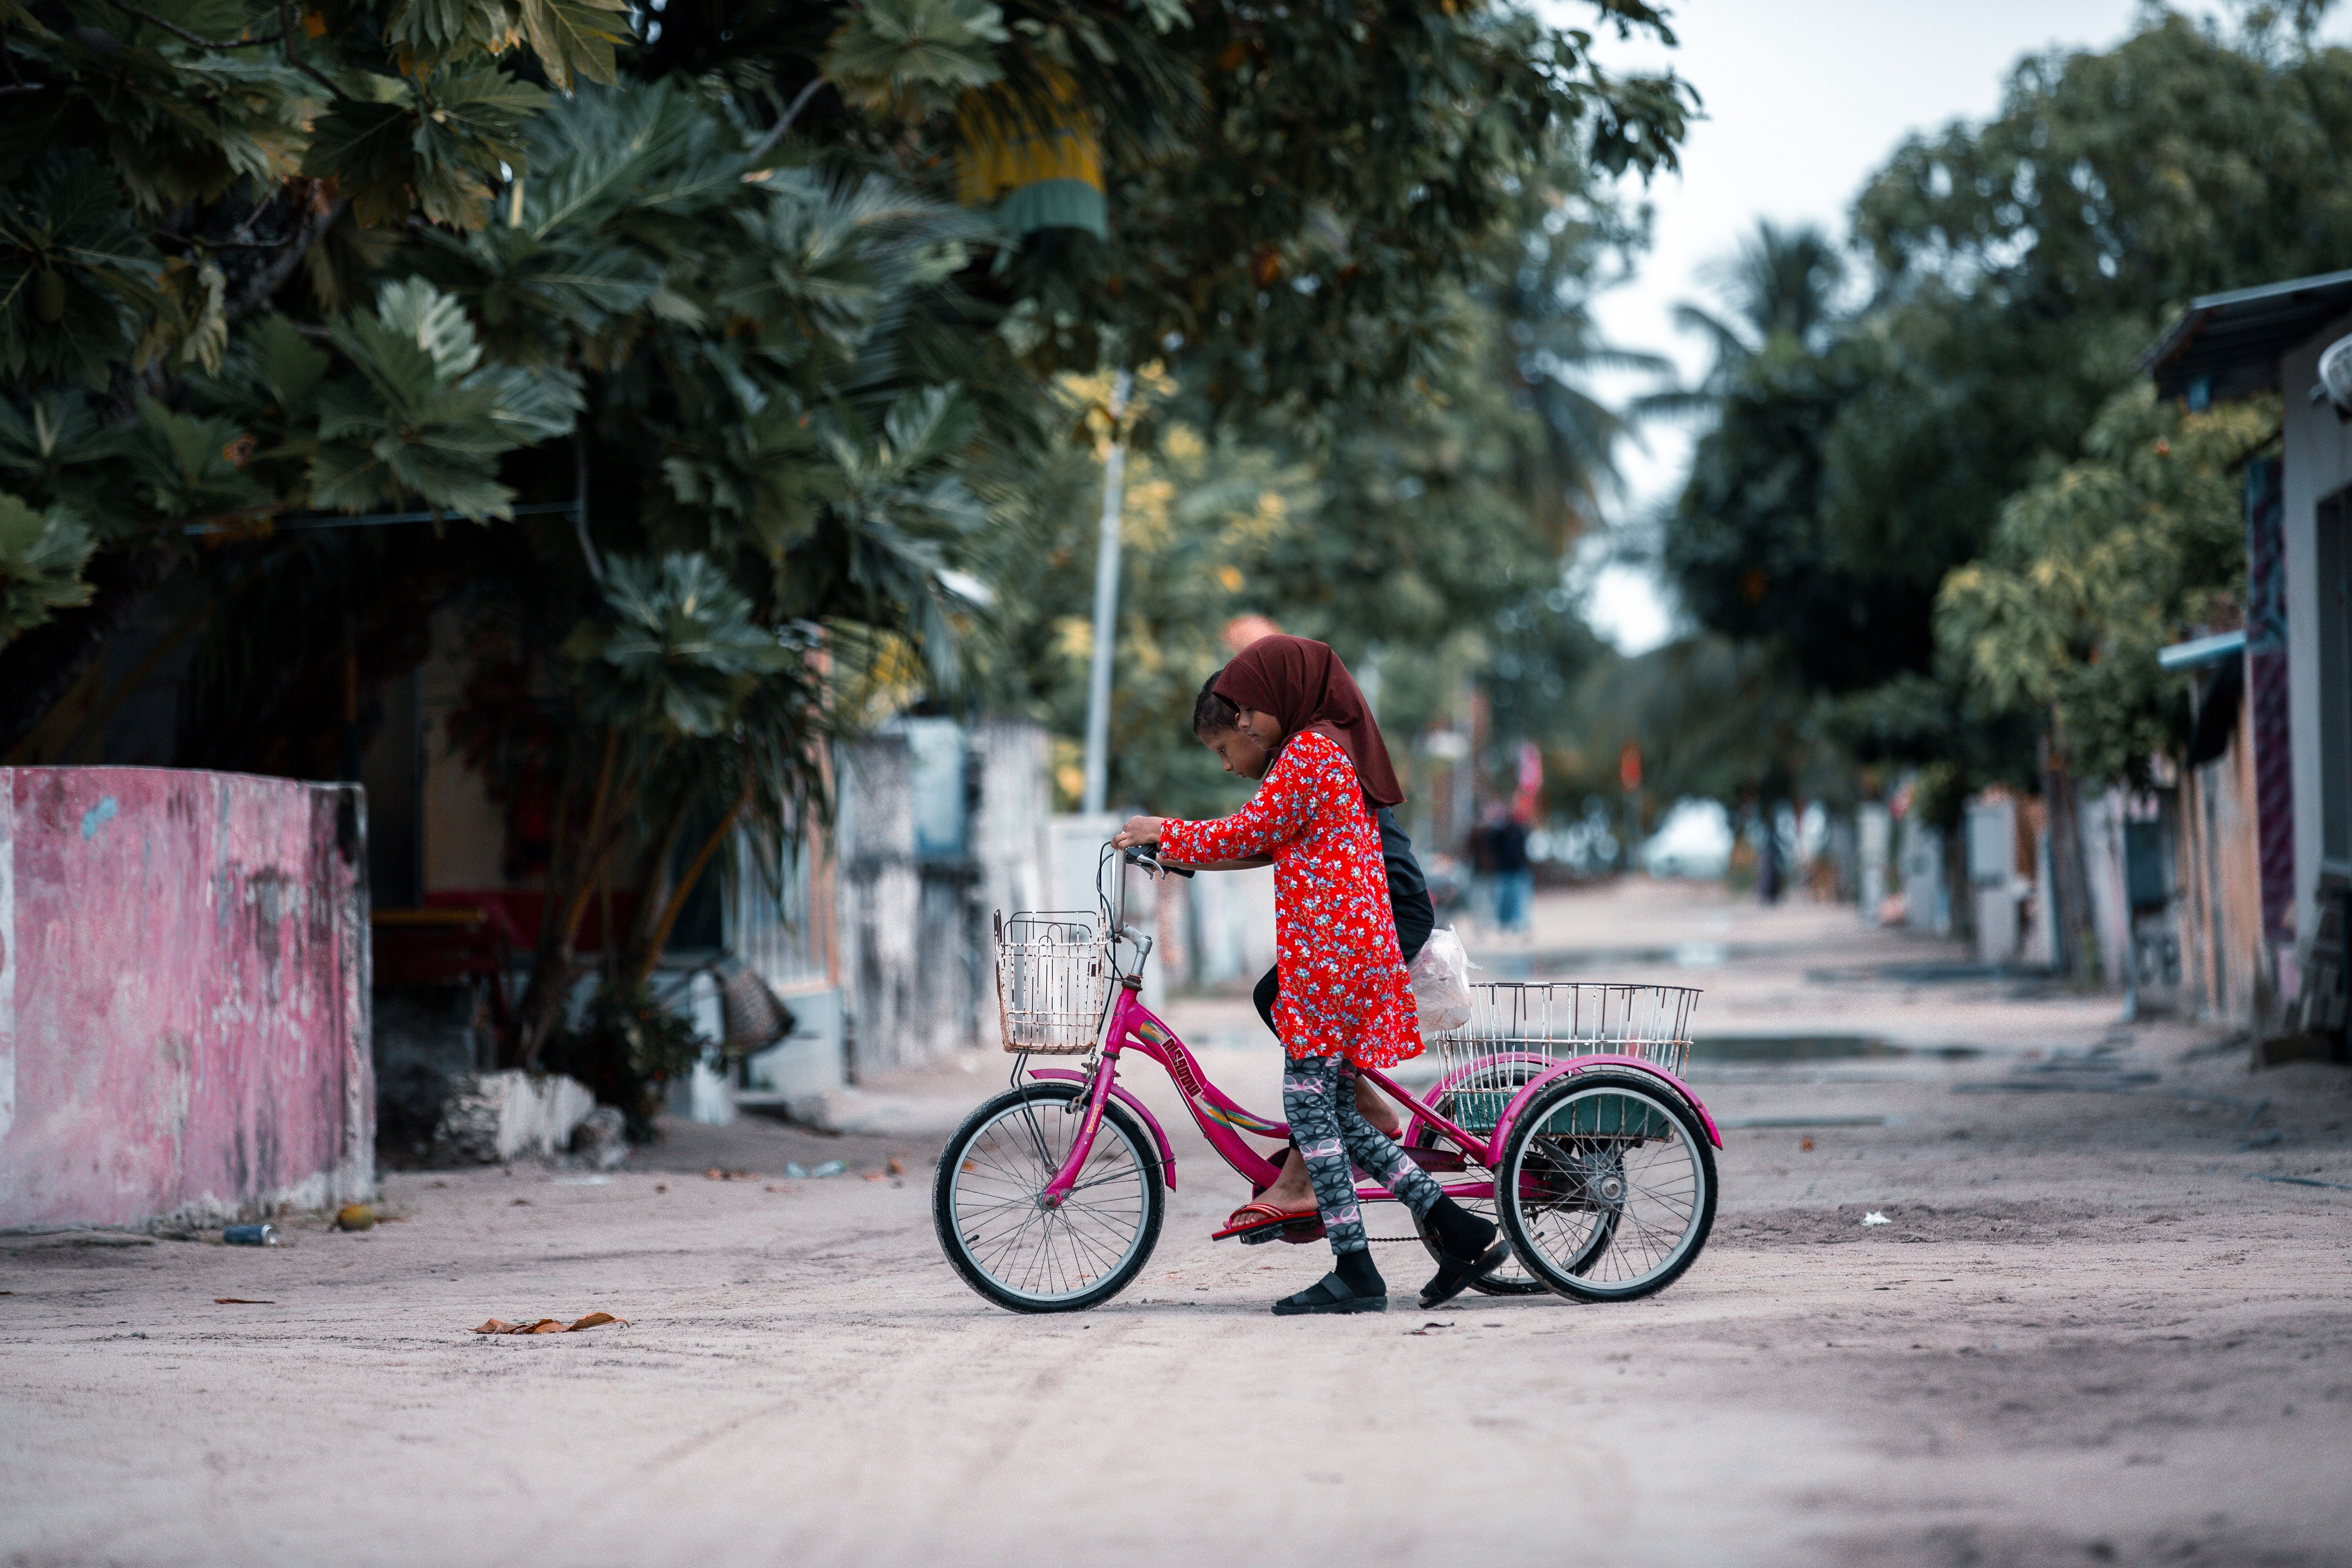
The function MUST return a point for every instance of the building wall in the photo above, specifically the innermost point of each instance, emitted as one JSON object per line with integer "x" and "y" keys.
{"x": 1012, "y": 845}
{"x": 184, "y": 996}
{"x": 881, "y": 904}
{"x": 882, "y": 938}
{"x": 2318, "y": 462}
{"x": 1013, "y": 815}
{"x": 463, "y": 832}
{"x": 2100, "y": 816}
{"x": 2224, "y": 959}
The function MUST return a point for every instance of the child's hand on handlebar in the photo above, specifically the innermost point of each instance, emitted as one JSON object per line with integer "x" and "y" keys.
{"x": 1140, "y": 830}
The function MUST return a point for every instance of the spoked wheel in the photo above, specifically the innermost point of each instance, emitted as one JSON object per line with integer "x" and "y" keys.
{"x": 1614, "y": 1185}
{"x": 1014, "y": 1251}
{"x": 1510, "y": 1279}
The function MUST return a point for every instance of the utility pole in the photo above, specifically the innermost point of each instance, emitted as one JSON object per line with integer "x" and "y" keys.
{"x": 1106, "y": 603}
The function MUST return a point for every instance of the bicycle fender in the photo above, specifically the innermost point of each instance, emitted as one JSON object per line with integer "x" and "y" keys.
{"x": 1585, "y": 1064}
{"x": 1414, "y": 1121}
{"x": 1167, "y": 1153}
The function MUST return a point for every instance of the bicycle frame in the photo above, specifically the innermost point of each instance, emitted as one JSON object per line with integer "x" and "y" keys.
{"x": 1130, "y": 1026}
{"x": 1223, "y": 1119}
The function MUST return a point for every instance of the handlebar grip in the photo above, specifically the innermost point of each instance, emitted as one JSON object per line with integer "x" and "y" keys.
{"x": 1138, "y": 855}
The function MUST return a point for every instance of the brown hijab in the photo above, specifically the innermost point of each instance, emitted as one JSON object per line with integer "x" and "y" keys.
{"x": 1305, "y": 687}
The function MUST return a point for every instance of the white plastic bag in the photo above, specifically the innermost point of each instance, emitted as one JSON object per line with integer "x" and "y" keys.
{"x": 1440, "y": 976}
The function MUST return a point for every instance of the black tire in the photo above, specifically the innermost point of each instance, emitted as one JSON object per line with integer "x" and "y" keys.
{"x": 1080, "y": 1255}
{"x": 1616, "y": 1210}
{"x": 1507, "y": 1280}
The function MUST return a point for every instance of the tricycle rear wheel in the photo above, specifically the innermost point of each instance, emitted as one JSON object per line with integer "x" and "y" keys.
{"x": 1609, "y": 1188}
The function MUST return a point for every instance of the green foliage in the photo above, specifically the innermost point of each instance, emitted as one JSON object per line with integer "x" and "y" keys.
{"x": 431, "y": 143}
{"x": 628, "y": 1047}
{"x": 681, "y": 651}
{"x": 574, "y": 39}
{"x": 2096, "y": 568}
{"x": 426, "y": 416}
{"x": 763, "y": 420}
{"x": 1298, "y": 196}
{"x": 41, "y": 558}
{"x": 2020, "y": 267}
{"x": 2179, "y": 162}
{"x": 75, "y": 271}
{"x": 1202, "y": 524}
{"x": 914, "y": 58}
{"x": 1426, "y": 546}
{"x": 1714, "y": 720}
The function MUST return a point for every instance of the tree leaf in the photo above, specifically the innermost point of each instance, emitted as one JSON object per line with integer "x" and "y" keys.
{"x": 574, "y": 38}
{"x": 42, "y": 555}
{"x": 915, "y": 56}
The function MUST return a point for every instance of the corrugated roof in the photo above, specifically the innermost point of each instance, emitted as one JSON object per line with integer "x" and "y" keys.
{"x": 2232, "y": 342}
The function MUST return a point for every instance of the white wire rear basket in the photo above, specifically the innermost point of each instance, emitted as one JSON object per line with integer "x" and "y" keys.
{"x": 1052, "y": 982}
{"x": 1517, "y": 1029}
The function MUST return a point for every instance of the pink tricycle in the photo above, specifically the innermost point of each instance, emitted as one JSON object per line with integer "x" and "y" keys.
{"x": 1565, "y": 1096}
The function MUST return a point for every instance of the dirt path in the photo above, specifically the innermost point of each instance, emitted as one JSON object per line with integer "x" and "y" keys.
{"x": 2088, "y": 1333}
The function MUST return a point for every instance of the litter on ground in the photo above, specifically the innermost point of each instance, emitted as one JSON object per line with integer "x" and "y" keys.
{"x": 550, "y": 1325}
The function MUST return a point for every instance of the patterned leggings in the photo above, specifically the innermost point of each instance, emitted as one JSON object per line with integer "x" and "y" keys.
{"x": 1318, "y": 1096}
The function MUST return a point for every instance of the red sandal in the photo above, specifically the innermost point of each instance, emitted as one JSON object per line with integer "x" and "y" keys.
{"x": 1252, "y": 1221}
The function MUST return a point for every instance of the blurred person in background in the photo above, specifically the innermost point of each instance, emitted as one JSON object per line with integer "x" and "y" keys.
{"x": 1510, "y": 872}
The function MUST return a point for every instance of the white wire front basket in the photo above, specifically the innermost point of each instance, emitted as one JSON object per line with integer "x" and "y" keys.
{"x": 1518, "y": 1028}
{"x": 1054, "y": 974}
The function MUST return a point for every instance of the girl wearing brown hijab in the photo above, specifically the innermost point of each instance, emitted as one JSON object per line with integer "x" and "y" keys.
{"x": 1343, "y": 999}
{"x": 1241, "y": 714}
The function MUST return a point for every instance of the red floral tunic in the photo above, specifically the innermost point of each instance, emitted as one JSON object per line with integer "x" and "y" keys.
{"x": 1344, "y": 991}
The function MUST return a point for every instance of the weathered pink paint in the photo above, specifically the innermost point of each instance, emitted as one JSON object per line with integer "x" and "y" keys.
{"x": 184, "y": 996}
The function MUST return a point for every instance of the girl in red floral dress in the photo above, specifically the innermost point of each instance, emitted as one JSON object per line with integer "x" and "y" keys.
{"x": 1344, "y": 999}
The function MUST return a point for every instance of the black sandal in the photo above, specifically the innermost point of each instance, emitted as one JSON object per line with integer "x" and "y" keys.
{"x": 1454, "y": 1275}
{"x": 1328, "y": 1294}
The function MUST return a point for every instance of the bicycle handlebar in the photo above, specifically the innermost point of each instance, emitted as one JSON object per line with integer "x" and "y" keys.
{"x": 1138, "y": 855}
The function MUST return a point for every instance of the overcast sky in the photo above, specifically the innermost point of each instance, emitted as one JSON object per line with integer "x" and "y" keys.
{"x": 1802, "y": 99}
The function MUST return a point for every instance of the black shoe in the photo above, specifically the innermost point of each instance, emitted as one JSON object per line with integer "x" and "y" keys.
{"x": 1454, "y": 1277}
{"x": 1330, "y": 1294}
{"x": 1467, "y": 1249}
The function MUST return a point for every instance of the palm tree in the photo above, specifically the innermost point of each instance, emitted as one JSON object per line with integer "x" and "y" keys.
{"x": 1781, "y": 291}
{"x": 1556, "y": 350}
{"x": 1548, "y": 350}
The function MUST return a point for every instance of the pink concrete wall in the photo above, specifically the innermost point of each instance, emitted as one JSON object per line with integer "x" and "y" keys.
{"x": 184, "y": 996}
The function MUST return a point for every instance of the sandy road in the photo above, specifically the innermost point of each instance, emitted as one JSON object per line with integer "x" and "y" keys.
{"x": 2088, "y": 1335}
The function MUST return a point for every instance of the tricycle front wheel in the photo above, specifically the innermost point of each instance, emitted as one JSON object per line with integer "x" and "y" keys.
{"x": 1606, "y": 1186}
{"x": 985, "y": 1202}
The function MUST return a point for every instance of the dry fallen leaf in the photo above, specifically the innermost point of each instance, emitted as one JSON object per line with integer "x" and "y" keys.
{"x": 872, "y": 1175}
{"x": 550, "y": 1325}
{"x": 239, "y": 1302}
{"x": 1805, "y": 1143}
{"x": 897, "y": 1164}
